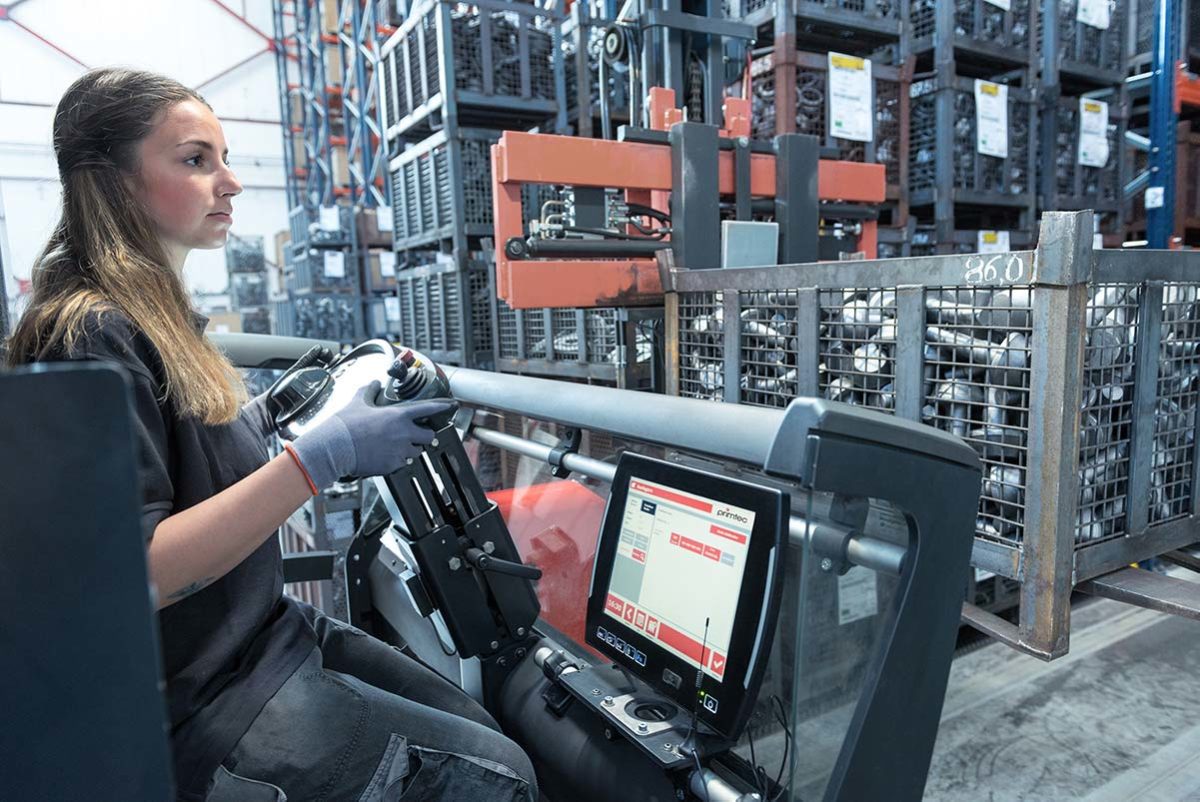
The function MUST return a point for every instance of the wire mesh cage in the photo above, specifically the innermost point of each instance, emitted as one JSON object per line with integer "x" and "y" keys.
{"x": 501, "y": 61}
{"x": 247, "y": 289}
{"x": 622, "y": 347}
{"x": 321, "y": 317}
{"x": 324, "y": 226}
{"x": 1080, "y": 186}
{"x": 442, "y": 189}
{"x": 862, "y": 16}
{"x": 977, "y": 28}
{"x": 944, "y": 159}
{"x": 245, "y": 254}
{"x": 321, "y": 270}
{"x": 810, "y": 107}
{"x": 1077, "y": 381}
{"x": 444, "y": 311}
{"x": 1088, "y": 51}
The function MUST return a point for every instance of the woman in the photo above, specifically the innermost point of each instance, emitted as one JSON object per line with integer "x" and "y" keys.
{"x": 266, "y": 697}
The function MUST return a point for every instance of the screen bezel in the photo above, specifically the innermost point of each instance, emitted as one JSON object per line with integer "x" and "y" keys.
{"x": 757, "y": 605}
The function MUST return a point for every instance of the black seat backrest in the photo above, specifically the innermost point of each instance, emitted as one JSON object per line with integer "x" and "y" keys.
{"x": 84, "y": 715}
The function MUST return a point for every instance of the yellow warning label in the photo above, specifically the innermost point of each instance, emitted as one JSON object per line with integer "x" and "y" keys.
{"x": 989, "y": 89}
{"x": 1091, "y": 106}
{"x": 846, "y": 62}
{"x": 990, "y": 237}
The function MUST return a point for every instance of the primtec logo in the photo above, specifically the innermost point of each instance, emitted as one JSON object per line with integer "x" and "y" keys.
{"x": 724, "y": 513}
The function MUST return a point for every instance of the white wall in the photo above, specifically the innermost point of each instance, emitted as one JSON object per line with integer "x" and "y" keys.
{"x": 189, "y": 40}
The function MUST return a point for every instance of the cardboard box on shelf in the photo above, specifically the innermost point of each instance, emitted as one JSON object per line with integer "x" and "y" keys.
{"x": 283, "y": 241}
{"x": 224, "y": 322}
{"x": 340, "y": 165}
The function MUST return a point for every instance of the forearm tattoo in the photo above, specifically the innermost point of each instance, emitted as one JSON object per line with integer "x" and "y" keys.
{"x": 195, "y": 587}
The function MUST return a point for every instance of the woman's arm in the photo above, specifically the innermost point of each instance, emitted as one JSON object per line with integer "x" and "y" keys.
{"x": 194, "y": 548}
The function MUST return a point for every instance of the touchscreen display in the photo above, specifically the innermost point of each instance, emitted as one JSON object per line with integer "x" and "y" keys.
{"x": 679, "y": 562}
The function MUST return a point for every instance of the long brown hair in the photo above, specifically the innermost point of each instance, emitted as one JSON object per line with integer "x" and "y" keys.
{"x": 105, "y": 255}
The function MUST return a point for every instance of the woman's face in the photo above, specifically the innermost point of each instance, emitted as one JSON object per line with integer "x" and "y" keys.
{"x": 184, "y": 180}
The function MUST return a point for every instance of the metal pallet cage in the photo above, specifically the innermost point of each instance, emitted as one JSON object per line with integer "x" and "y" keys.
{"x": 444, "y": 311}
{"x": 974, "y": 29}
{"x": 1069, "y": 185}
{"x": 256, "y": 321}
{"x": 247, "y": 289}
{"x": 502, "y": 63}
{"x": 321, "y": 317}
{"x": 924, "y": 241}
{"x": 321, "y": 270}
{"x": 245, "y": 254}
{"x": 863, "y": 24}
{"x": 305, "y": 224}
{"x": 945, "y": 167}
{"x": 609, "y": 345}
{"x": 1074, "y": 373}
{"x": 442, "y": 190}
{"x": 1096, "y": 55}
{"x": 810, "y": 108}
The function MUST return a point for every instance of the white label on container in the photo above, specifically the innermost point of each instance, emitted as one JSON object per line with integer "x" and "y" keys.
{"x": 992, "y": 242}
{"x": 981, "y": 575}
{"x": 857, "y": 598}
{"x": 330, "y": 219}
{"x": 850, "y": 114}
{"x": 335, "y": 264}
{"x": 391, "y": 308}
{"x": 1154, "y": 197}
{"x": 991, "y": 119}
{"x": 1093, "y": 12}
{"x": 1093, "y": 132}
{"x": 1004, "y": 4}
{"x": 1097, "y": 241}
{"x": 383, "y": 218}
{"x": 222, "y": 328}
{"x": 387, "y": 264}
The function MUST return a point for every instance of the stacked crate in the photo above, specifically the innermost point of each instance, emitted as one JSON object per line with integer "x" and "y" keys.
{"x": 452, "y": 78}
{"x": 802, "y": 44}
{"x": 245, "y": 264}
{"x": 1082, "y": 55}
{"x": 974, "y": 82}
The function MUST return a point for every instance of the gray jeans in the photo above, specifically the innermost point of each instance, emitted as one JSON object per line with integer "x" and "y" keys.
{"x": 360, "y": 720}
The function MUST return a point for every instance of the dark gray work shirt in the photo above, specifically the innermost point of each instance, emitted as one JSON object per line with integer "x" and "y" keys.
{"x": 229, "y": 647}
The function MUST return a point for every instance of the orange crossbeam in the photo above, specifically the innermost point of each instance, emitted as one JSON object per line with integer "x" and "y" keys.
{"x": 1187, "y": 89}
{"x": 640, "y": 169}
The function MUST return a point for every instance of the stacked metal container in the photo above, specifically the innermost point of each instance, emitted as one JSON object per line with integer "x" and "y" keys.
{"x": 963, "y": 178}
{"x": 1074, "y": 373}
{"x": 452, "y": 78}
{"x": 1082, "y": 56}
{"x": 245, "y": 263}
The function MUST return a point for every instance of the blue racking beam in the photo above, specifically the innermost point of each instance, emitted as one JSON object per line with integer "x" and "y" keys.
{"x": 1160, "y": 219}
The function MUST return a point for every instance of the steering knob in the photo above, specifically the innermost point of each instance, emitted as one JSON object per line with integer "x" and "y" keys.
{"x": 399, "y": 369}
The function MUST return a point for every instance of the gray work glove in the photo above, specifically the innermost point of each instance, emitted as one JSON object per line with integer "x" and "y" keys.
{"x": 365, "y": 440}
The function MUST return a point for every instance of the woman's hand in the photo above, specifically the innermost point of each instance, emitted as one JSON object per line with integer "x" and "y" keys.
{"x": 362, "y": 439}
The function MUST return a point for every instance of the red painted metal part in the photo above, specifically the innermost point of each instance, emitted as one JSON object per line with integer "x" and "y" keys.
{"x": 1187, "y": 88}
{"x": 522, "y": 158}
{"x": 555, "y": 527}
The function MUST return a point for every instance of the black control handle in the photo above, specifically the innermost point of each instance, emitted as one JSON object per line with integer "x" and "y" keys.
{"x": 486, "y": 562}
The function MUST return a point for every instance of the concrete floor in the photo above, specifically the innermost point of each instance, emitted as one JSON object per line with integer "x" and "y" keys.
{"x": 1117, "y": 719}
